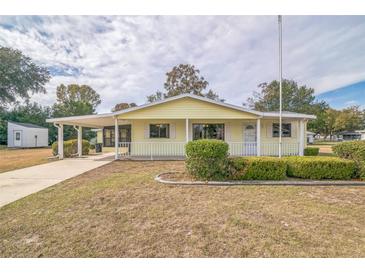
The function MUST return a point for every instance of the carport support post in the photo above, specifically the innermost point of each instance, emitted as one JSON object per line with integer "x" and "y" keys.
{"x": 258, "y": 137}
{"x": 301, "y": 137}
{"x": 60, "y": 141}
{"x": 116, "y": 136}
{"x": 79, "y": 141}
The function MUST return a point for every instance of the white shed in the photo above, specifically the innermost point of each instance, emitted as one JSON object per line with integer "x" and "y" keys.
{"x": 27, "y": 135}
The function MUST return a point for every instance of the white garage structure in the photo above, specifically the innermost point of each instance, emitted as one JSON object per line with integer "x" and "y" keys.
{"x": 25, "y": 135}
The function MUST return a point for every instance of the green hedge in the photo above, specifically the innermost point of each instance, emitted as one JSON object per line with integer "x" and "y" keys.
{"x": 257, "y": 168}
{"x": 353, "y": 150}
{"x": 320, "y": 168}
{"x": 70, "y": 147}
{"x": 311, "y": 151}
{"x": 207, "y": 159}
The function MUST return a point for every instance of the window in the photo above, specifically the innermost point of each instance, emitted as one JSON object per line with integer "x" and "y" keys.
{"x": 208, "y": 131}
{"x": 285, "y": 130}
{"x": 17, "y": 136}
{"x": 159, "y": 131}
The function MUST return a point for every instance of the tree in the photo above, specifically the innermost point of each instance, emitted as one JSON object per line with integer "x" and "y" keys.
{"x": 183, "y": 79}
{"x": 349, "y": 119}
{"x": 19, "y": 76}
{"x": 73, "y": 100}
{"x": 29, "y": 113}
{"x": 122, "y": 106}
{"x": 295, "y": 98}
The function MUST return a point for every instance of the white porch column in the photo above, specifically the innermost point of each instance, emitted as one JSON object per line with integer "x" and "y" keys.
{"x": 79, "y": 141}
{"x": 258, "y": 137}
{"x": 187, "y": 130}
{"x": 301, "y": 137}
{"x": 116, "y": 136}
{"x": 60, "y": 141}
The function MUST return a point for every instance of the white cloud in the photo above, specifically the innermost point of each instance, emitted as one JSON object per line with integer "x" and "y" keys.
{"x": 126, "y": 58}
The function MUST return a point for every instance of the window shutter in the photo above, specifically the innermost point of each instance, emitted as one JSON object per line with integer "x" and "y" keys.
{"x": 227, "y": 132}
{"x": 146, "y": 131}
{"x": 172, "y": 131}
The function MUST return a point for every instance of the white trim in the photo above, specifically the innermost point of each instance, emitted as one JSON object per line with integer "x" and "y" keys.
{"x": 258, "y": 137}
{"x": 116, "y": 138}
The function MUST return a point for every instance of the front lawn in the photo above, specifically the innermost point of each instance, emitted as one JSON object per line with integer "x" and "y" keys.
{"x": 11, "y": 159}
{"x": 118, "y": 210}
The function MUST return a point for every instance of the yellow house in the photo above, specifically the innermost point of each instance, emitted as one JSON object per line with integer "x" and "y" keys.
{"x": 161, "y": 129}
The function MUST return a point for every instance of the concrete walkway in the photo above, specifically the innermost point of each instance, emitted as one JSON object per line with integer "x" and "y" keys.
{"x": 19, "y": 183}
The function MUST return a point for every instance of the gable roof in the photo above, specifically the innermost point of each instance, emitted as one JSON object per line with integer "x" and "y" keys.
{"x": 28, "y": 125}
{"x": 186, "y": 95}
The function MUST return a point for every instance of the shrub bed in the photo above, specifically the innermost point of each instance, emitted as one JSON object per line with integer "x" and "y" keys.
{"x": 311, "y": 151}
{"x": 207, "y": 159}
{"x": 70, "y": 147}
{"x": 257, "y": 168}
{"x": 320, "y": 168}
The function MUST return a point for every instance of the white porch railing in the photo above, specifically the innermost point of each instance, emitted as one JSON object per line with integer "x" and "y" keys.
{"x": 151, "y": 150}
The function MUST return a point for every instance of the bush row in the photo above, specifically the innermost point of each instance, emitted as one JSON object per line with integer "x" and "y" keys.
{"x": 208, "y": 160}
{"x": 70, "y": 148}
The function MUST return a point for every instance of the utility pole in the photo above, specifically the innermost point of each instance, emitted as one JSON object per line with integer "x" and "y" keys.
{"x": 280, "y": 81}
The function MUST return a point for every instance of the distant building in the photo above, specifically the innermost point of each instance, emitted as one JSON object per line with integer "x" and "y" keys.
{"x": 26, "y": 135}
{"x": 349, "y": 135}
{"x": 362, "y": 134}
{"x": 310, "y": 137}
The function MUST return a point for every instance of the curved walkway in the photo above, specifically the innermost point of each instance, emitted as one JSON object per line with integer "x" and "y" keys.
{"x": 19, "y": 183}
{"x": 159, "y": 178}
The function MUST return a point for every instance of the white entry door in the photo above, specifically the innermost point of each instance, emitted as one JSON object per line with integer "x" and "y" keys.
{"x": 17, "y": 138}
{"x": 249, "y": 135}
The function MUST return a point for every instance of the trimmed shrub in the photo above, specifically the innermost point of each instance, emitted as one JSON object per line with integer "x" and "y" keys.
{"x": 353, "y": 150}
{"x": 92, "y": 146}
{"x": 257, "y": 168}
{"x": 70, "y": 147}
{"x": 320, "y": 168}
{"x": 207, "y": 159}
{"x": 311, "y": 151}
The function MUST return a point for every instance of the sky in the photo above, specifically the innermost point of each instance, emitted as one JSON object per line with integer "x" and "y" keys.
{"x": 125, "y": 58}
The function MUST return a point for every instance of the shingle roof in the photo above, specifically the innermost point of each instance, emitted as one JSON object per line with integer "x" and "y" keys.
{"x": 26, "y": 125}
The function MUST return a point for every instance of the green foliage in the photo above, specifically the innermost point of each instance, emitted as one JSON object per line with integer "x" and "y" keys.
{"x": 257, "y": 168}
{"x": 70, "y": 148}
{"x": 29, "y": 113}
{"x": 74, "y": 100}
{"x": 92, "y": 146}
{"x": 122, "y": 106}
{"x": 19, "y": 76}
{"x": 320, "y": 168}
{"x": 351, "y": 118}
{"x": 207, "y": 159}
{"x": 311, "y": 151}
{"x": 353, "y": 150}
{"x": 182, "y": 79}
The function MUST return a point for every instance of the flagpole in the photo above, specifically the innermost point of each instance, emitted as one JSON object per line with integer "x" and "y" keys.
{"x": 280, "y": 82}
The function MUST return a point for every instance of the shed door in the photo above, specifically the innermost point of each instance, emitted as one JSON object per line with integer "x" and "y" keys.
{"x": 17, "y": 138}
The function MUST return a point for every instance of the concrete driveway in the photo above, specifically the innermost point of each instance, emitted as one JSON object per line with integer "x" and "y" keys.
{"x": 22, "y": 182}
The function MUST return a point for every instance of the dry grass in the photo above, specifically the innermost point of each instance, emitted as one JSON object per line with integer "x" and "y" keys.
{"x": 11, "y": 159}
{"x": 119, "y": 211}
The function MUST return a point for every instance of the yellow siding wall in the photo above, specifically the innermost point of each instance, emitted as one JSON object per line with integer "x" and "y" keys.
{"x": 187, "y": 108}
{"x": 99, "y": 136}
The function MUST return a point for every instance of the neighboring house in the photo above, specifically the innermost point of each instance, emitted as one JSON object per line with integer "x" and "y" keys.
{"x": 362, "y": 134}
{"x": 26, "y": 135}
{"x": 349, "y": 136}
{"x": 310, "y": 137}
{"x": 162, "y": 128}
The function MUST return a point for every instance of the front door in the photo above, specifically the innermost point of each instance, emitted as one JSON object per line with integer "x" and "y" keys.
{"x": 125, "y": 139}
{"x": 17, "y": 138}
{"x": 249, "y": 135}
